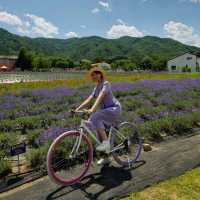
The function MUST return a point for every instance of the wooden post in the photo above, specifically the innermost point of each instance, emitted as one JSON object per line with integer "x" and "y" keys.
{"x": 18, "y": 164}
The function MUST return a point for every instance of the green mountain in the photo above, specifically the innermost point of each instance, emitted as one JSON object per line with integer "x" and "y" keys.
{"x": 95, "y": 47}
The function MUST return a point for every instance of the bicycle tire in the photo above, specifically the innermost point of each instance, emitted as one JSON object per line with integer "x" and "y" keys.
{"x": 50, "y": 168}
{"x": 134, "y": 138}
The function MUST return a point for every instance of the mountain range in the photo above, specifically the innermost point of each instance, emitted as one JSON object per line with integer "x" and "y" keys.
{"x": 95, "y": 47}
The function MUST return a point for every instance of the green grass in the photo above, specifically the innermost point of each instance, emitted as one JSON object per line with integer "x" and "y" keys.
{"x": 82, "y": 79}
{"x": 185, "y": 187}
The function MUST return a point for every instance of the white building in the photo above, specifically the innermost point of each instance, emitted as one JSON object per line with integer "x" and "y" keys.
{"x": 186, "y": 61}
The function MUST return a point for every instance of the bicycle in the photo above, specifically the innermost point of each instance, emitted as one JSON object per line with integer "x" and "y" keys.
{"x": 67, "y": 166}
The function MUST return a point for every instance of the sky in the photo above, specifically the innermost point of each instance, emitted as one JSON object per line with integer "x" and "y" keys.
{"x": 177, "y": 19}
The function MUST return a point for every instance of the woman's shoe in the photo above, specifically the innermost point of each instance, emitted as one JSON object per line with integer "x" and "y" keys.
{"x": 104, "y": 146}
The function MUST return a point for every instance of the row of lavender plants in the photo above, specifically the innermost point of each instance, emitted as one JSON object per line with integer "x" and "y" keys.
{"x": 159, "y": 108}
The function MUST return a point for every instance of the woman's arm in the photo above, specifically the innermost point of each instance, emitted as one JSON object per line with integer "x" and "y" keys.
{"x": 85, "y": 103}
{"x": 98, "y": 101}
{"x": 102, "y": 94}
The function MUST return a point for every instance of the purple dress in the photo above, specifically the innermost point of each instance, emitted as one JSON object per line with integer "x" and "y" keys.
{"x": 110, "y": 109}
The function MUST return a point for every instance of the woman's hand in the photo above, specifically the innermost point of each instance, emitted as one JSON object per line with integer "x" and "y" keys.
{"x": 77, "y": 109}
{"x": 90, "y": 111}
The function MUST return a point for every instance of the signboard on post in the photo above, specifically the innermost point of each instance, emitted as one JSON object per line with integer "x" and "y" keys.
{"x": 18, "y": 149}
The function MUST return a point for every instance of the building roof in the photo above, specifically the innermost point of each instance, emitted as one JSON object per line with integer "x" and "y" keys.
{"x": 182, "y": 55}
{"x": 4, "y": 67}
{"x": 8, "y": 57}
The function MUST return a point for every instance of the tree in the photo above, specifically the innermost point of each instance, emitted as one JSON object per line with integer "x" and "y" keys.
{"x": 114, "y": 66}
{"x": 54, "y": 60}
{"x": 70, "y": 63}
{"x": 146, "y": 63}
{"x": 98, "y": 59}
{"x": 159, "y": 64}
{"x": 36, "y": 63}
{"x": 62, "y": 63}
{"x": 24, "y": 61}
{"x": 85, "y": 64}
{"x": 124, "y": 64}
{"x": 128, "y": 65}
{"x": 41, "y": 63}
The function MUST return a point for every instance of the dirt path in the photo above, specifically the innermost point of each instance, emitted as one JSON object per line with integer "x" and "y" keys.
{"x": 167, "y": 160}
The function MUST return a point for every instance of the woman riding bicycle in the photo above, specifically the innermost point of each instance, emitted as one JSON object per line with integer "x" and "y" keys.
{"x": 110, "y": 109}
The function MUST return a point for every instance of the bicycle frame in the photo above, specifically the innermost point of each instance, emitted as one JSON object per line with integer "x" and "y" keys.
{"x": 83, "y": 127}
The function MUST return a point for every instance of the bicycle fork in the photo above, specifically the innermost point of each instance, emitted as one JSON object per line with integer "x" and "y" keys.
{"x": 76, "y": 145}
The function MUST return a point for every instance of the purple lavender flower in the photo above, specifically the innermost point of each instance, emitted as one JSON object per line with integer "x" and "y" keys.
{"x": 50, "y": 134}
{"x": 122, "y": 86}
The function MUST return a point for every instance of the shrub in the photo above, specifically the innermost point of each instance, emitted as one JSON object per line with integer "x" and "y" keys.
{"x": 152, "y": 130}
{"x": 121, "y": 93}
{"x": 22, "y": 123}
{"x": 33, "y": 135}
{"x": 6, "y": 140}
{"x": 183, "y": 124}
{"x": 25, "y": 123}
{"x": 131, "y": 104}
{"x": 182, "y": 104}
{"x": 5, "y": 168}
{"x": 7, "y": 125}
{"x": 37, "y": 157}
{"x": 186, "y": 69}
{"x": 148, "y": 113}
{"x": 169, "y": 125}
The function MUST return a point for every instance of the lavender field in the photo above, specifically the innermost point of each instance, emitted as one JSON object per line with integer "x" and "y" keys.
{"x": 160, "y": 109}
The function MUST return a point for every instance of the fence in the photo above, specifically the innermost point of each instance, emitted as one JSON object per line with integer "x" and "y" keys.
{"x": 12, "y": 77}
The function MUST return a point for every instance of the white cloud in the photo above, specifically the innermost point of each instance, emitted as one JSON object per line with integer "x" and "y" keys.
{"x": 31, "y": 26}
{"x": 123, "y": 29}
{"x": 14, "y": 20}
{"x": 105, "y": 5}
{"x": 42, "y": 27}
{"x": 95, "y": 10}
{"x": 10, "y": 19}
{"x": 120, "y": 21}
{"x": 182, "y": 32}
{"x": 71, "y": 35}
{"x": 24, "y": 29}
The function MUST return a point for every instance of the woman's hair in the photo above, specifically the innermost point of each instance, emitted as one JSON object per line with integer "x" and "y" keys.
{"x": 97, "y": 70}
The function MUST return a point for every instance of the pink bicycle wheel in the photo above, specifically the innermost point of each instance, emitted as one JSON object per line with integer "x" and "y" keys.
{"x": 64, "y": 168}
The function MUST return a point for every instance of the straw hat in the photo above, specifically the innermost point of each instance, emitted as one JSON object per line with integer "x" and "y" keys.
{"x": 96, "y": 68}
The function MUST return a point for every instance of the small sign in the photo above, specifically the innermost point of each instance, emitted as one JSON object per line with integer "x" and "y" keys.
{"x": 18, "y": 149}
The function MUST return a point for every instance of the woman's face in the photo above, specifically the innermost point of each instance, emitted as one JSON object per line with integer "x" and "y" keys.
{"x": 96, "y": 77}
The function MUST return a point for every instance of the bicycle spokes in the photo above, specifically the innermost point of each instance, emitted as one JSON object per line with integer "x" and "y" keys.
{"x": 126, "y": 150}
{"x": 69, "y": 158}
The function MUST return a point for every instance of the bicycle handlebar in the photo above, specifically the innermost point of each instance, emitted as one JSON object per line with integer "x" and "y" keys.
{"x": 84, "y": 111}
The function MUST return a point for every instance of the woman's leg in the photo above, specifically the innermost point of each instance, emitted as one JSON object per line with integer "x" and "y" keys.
{"x": 99, "y": 118}
{"x": 102, "y": 134}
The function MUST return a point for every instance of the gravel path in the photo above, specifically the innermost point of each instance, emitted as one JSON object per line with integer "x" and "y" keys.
{"x": 167, "y": 160}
